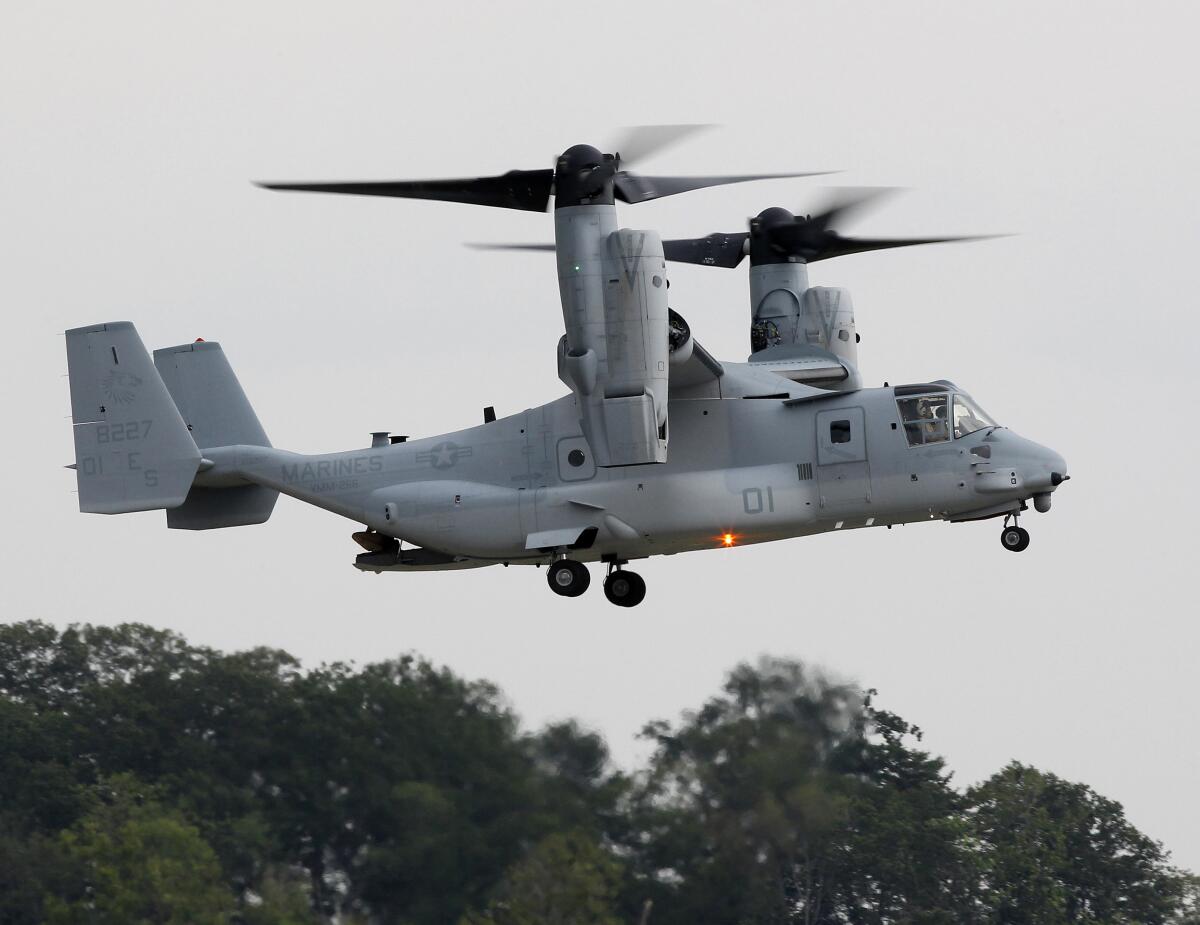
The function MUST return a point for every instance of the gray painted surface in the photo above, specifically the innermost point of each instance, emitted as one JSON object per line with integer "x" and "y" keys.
{"x": 132, "y": 449}
{"x": 739, "y": 466}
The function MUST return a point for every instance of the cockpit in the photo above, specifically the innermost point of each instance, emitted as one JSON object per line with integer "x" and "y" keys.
{"x": 936, "y": 413}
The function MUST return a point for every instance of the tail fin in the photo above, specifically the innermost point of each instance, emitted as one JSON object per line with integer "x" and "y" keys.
{"x": 217, "y": 412}
{"x": 133, "y": 451}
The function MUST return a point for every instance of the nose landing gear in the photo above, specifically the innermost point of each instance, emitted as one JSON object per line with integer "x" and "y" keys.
{"x": 1014, "y": 538}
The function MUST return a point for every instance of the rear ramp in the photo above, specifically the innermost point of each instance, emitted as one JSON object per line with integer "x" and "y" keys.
{"x": 217, "y": 413}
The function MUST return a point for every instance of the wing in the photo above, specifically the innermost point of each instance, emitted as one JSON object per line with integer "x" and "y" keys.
{"x": 698, "y": 370}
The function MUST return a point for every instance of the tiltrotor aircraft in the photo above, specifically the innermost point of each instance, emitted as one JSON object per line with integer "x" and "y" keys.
{"x": 658, "y": 449}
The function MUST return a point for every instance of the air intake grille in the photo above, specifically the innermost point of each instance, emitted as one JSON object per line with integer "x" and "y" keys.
{"x": 804, "y": 470}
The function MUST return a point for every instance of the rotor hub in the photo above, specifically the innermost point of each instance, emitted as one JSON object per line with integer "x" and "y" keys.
{"x": 583, "y": 175}
{"x": 768, "y": 218}
{"x": 580, "y": 157}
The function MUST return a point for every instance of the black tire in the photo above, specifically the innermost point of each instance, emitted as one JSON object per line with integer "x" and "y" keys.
{"x": 568, "y": 578}
{"x": 625, "y": 589}
{"x": 1014, "y": 539}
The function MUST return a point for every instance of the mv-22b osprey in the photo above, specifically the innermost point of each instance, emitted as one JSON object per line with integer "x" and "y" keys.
{"x": 658, "y": 449}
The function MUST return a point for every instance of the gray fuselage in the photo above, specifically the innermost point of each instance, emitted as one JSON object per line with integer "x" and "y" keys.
{"x": 740, "y": 470}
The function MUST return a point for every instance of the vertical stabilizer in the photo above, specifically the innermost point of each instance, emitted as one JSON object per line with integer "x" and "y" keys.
{"x": 133, "y": 451}
{"x": 210, "y": 398}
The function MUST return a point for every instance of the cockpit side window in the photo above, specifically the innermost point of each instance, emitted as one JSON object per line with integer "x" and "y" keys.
{"x": 969, "y": 417}
{"x": 926, "y": 419}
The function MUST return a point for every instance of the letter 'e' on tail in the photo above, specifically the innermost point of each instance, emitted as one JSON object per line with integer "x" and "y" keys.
{"x": 133, "y": 451}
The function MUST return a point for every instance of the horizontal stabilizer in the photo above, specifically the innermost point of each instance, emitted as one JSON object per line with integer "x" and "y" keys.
{"x": 213, "y": 508}
{"x": 133, "y": 451}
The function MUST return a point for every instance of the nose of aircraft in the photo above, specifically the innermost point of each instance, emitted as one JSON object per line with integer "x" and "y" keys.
{"x": 1041, "y": 469}
{"x": 1057, "y": 467}
{"x": 1044, "y": 468}
{"x": 1054, "y": 464}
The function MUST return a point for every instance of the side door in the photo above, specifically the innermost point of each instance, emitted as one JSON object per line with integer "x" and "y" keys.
{"x": 843, "y": 470}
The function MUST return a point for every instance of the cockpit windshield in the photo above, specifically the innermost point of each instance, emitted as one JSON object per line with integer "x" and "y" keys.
{"x": 969, "y": 417}
{"x": 925, "y": 418}
{"x": 929, "y": 418}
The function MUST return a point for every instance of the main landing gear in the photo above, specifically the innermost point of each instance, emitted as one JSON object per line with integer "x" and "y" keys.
{"x": 569, "y": 578}
{"x": 1014, "y": 538}
{"x": 625, "y": 589}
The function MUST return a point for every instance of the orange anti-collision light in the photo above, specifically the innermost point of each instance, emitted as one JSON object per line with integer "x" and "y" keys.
{"x": 727, "y": 539}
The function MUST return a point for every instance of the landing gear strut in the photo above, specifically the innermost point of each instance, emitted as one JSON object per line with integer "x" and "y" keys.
{"x": 1014, "y": 538}
{"x": 625, "y": 589}
{"x": 568, "y": 578}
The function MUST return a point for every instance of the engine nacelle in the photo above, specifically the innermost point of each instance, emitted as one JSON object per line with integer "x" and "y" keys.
{"x": 616, "y": 351}
{"x": 827, "y": 321}
{"x": 787, "y": 311}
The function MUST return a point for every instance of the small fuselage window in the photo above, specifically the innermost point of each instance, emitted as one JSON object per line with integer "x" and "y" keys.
{"x": 925, "y": 418}
{"x": 969, "y": 417}
{"x": 839, "y": 432}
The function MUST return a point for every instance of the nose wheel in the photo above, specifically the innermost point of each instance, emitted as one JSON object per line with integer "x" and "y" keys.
{"x": 568, "y": 578}
{"x": 1014, "y": 538}
{"x": 625, "y": 589}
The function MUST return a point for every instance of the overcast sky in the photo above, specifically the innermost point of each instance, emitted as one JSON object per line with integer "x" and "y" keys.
{"x": 130, "y": 135}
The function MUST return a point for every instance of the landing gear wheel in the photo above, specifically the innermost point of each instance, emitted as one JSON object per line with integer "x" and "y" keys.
{"x": 1014, "y": 539}
{"x": 568, "y": 578}
{"x": 625, "y": 589}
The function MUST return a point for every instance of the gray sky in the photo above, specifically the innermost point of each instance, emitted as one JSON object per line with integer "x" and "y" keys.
{"x": 130, "y": 132}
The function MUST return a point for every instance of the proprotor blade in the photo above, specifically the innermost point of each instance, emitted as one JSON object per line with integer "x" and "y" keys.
{"x": 512, "y": 247}
{"x": 638, "y": 142}
{"x": 846, "y": 202}
{"x": 631, "y": 188}
{"x": 716, "y": 250}
{"x": 812, "y": 237}
{"x": 528, "y": 190}
{"x": 778, "y": 236}
{"x": 833, "y": 244}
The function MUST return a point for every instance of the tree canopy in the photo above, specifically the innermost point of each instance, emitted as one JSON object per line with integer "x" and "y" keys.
{"x": 145, "y": 779}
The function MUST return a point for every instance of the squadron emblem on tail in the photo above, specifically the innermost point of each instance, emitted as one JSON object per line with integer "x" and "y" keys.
{"x": 120, "y": 387}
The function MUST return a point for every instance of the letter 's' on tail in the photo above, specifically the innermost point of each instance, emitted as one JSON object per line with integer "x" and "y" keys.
{"x": 133, "y": 451}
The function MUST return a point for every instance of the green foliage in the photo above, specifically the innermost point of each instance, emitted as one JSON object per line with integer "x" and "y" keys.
{"x": 407, "y": 781}
{"x": 1188, "y": 910}
{"x": 143, "y": 779}
{"x": 401, "y": 790}
{"x": 567, "y": 879}
{"x": 790, "y": 799}
{"x": 25, "y": 864}
{"x": 1055, "y": 851}
{"x": 282, "y": 899}
{"x": 130, "y": 861}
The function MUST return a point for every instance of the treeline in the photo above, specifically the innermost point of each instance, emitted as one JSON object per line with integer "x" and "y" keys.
{"x": 143, "y": 779}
